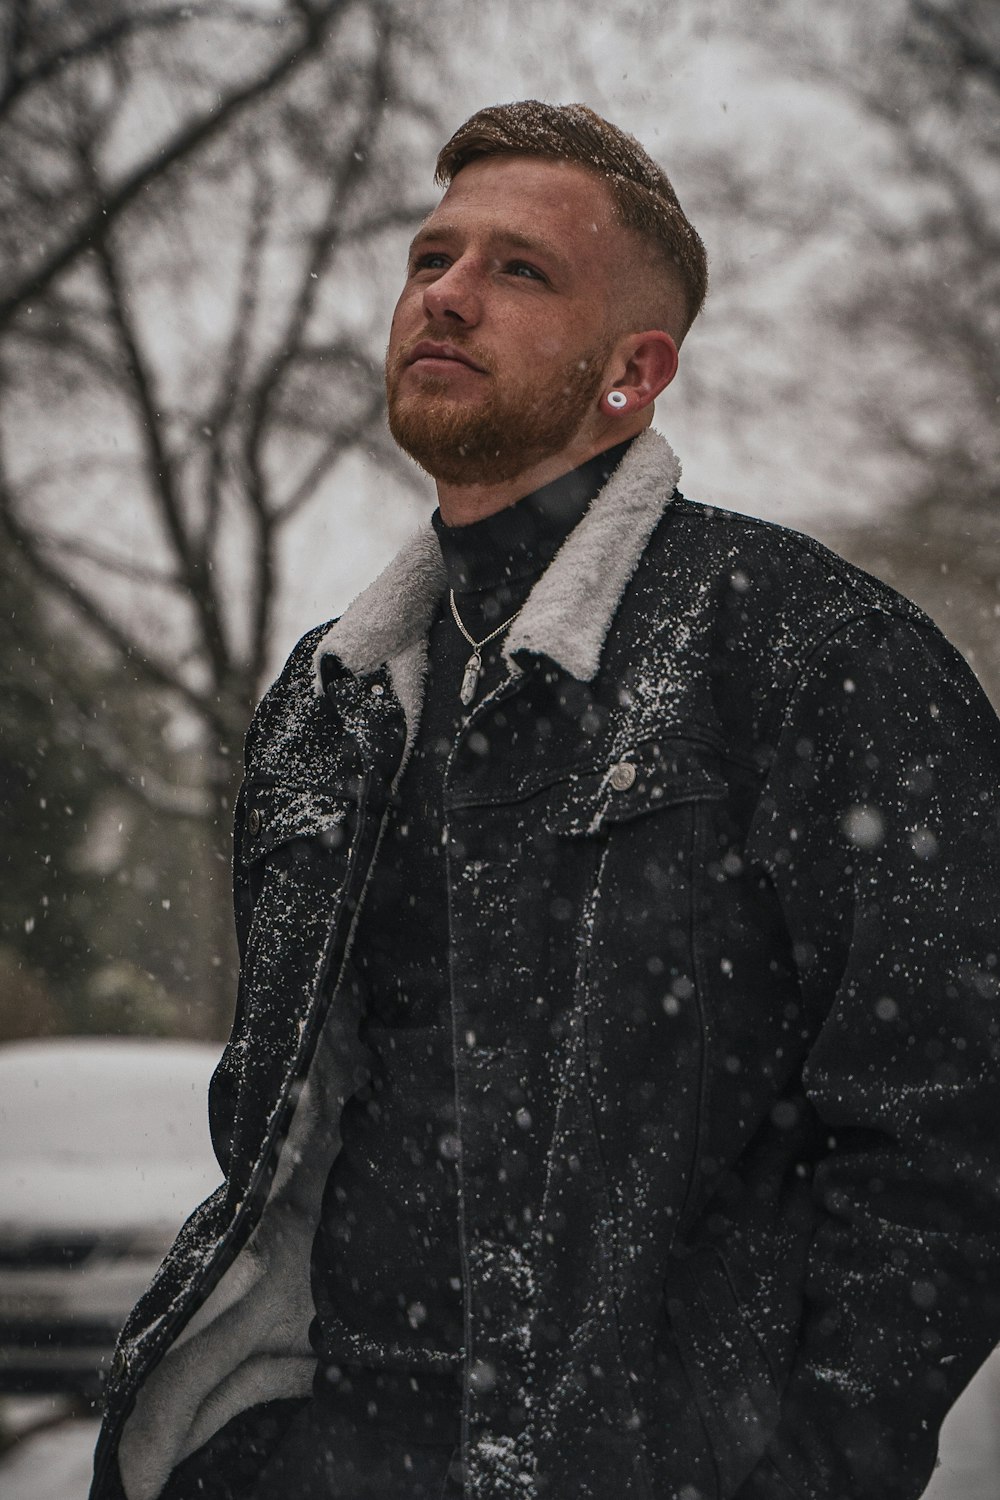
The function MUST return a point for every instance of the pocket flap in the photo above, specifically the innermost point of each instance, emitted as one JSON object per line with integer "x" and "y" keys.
{"x": 276, "y": 814}
{"x": 647, "y": 778}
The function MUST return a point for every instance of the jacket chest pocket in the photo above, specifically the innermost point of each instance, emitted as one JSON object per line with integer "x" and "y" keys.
{"x": 650, "y": 777}
{"x": 645, "y": 817}
{"x": 295, "y": 847}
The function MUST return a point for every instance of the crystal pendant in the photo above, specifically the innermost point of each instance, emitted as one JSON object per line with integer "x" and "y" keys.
{"x": 470, "y": 680}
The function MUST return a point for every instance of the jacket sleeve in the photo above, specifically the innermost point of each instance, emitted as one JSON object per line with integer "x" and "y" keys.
{"x": 223, "y": 1090}
{"x": 878, "y": 829}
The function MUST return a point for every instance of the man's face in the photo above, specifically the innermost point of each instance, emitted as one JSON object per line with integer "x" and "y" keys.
{"x": 502, "y": 334}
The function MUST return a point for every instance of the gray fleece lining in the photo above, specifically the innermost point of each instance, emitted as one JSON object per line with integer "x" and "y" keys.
{"x": 248, "y": 1342}
{"x": 568, "y": 613}
{"x": 392, "y": 612}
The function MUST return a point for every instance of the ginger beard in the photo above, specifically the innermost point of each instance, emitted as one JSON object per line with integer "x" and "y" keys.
{"x": 495, "y": 438}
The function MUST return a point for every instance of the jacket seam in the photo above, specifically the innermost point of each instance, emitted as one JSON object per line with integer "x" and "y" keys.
{"x": 626, "y": 1401}
{"x": 694, "y": 866}
{"x": 841, "y": 627}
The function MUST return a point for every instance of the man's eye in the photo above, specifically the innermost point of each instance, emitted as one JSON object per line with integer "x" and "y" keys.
{"x": 523, "y": 268}
{"x": 432, "y": 260}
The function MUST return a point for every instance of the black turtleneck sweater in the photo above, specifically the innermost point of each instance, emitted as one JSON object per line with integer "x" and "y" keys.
{"x": 385, "y": 1268}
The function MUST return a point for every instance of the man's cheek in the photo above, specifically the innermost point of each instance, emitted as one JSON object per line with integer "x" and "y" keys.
{"x": 550, "y": 347}
{"x": 403, "y": 316}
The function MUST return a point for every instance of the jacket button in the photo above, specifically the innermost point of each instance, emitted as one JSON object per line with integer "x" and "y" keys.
{"x": 254, "y": 820}
{"x": 622, "y": 776}
{"x": 119, "y": 1365}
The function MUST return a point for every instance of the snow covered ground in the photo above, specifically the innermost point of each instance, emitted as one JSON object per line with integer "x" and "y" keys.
{"x": 54, "y": 1463}
{"x": 970, "y": 1442}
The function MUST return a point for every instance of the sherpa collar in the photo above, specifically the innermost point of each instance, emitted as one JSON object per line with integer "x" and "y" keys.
{"x": 565, "y": 617}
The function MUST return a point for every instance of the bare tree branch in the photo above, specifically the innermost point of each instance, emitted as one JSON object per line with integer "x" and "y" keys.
{"x": 96, "y": 735}
{"x": 62, "y": 334}
{"x": 33, "y": 480}
{"x": 17, "y": 22}
{"x": 65, "y": 587}
{"x": 122, "y": 567}
{"x": 349, "y": 175}
{"x": 398, "y": 216}
{"x": 192, "y": 803}
{"x": 93, "y": 226}
{"x": 232, "y": 374}
{"x": 103, "y": 39}
{"x": 191, "y": 561}
{"x": 972, "y": 53}
{"x": 331, "y": 454}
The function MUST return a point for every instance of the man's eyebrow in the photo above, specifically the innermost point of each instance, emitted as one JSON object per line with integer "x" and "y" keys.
{"x": 506, "y": 238}
{"x": 431, "y": 232}
{"x": 534, "y": 247}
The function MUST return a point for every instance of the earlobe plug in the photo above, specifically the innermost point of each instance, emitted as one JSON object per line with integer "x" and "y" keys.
{"x": 617, "y": 399}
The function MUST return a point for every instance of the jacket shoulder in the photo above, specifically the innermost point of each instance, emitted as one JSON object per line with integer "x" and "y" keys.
{"x": 740, "y": 609}
{"x": 290, "y": 723}
{"x": 765, "y": 558}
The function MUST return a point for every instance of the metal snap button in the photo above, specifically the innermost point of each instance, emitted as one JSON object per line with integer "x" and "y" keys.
{"x": 377, "y": 690}
{"x": 119, "y": 1365}
{"x": 622, "y": 776}
{"x": 254, "y": 820}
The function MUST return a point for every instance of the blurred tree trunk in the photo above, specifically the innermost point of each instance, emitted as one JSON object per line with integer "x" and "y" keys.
{"x": 186, "y": 353}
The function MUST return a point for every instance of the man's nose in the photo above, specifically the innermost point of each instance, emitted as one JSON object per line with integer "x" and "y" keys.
{"x": 454, "y": 296}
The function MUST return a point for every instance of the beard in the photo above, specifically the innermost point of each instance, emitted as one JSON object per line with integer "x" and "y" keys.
{"x": 495, "y": 439}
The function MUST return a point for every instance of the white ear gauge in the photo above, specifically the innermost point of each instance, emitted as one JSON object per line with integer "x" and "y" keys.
{"x": 617, "y": 399}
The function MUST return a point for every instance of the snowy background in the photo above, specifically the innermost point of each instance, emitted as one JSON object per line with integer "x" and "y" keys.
{"x": 203, "y": 216}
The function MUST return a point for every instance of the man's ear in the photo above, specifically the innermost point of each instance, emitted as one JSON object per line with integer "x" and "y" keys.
{"x": 643, "y": 365}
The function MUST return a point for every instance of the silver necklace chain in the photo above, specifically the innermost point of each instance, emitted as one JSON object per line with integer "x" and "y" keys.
{"x": 473, "y": 667}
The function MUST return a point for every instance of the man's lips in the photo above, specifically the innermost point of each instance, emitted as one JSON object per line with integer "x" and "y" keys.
{"x": 427, "y": 353}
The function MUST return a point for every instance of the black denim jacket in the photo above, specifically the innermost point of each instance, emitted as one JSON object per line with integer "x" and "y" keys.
{"x": 723, "y": 860}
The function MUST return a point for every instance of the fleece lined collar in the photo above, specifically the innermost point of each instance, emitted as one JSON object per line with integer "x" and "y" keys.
{"x": 565, "y": 617}
{"x": 518, "y": 542}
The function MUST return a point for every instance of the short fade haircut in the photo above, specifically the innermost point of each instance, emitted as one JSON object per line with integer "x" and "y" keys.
{"x": 641, "y": 191}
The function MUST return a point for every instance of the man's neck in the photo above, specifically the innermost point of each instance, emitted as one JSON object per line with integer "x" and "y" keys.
{"x": 462, "y": 504}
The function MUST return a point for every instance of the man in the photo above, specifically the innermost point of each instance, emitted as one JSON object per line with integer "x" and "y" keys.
{"x": 610, "y": 1107}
